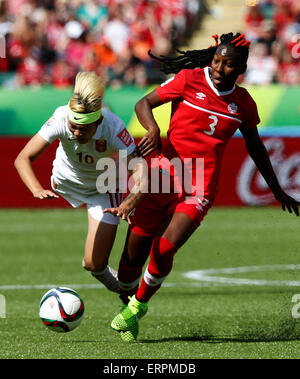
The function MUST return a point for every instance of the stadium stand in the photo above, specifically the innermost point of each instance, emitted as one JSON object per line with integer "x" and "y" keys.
{"x": 48, "y": 41}
{"x": 274, "y": 29}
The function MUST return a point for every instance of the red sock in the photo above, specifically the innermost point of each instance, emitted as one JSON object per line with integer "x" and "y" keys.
{"x": 129, "y": 278}
{"x": 160, "y": 265}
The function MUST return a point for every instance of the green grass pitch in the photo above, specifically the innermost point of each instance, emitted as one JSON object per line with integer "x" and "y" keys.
{"x": 188, "y": 318}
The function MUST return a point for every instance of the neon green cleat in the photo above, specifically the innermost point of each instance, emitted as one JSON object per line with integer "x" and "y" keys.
{"x": 126, "y": 322}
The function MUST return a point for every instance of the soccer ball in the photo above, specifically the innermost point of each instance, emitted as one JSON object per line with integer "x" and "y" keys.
{"x": 61, "y": 309}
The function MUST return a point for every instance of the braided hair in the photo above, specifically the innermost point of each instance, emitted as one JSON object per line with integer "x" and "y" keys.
{"x": 200, "y": 58}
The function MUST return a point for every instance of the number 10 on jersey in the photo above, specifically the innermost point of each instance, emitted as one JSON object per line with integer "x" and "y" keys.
{"x": 89, "y": 159}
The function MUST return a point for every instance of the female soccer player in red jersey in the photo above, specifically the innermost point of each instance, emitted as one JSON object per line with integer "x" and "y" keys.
{"x": 207, "y": 108}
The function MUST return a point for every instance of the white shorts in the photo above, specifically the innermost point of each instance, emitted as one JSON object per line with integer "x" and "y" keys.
{"x": 95, "y": 204}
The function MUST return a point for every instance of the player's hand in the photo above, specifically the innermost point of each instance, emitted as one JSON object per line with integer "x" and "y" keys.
{"x": 287, "y": 202}
{"x": 149, "y": 143}
{"x": 121, "y": 211}
{"x": 45, "y": 194}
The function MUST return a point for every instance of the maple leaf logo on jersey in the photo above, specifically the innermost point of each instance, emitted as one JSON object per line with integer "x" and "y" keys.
{"x": 200, "y": 95}
{"x": 101, "y": 145}
{"x": 125, "y": 137}
{"x": 232, "y": 108}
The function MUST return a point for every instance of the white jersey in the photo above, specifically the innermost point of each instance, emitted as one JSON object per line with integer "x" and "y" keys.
{"x": 74, "y": 166}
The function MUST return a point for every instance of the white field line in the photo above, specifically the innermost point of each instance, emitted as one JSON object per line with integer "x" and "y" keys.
{"x": 41, "y": 228}
{"x": 202, "y": 278}
{"x": 206, "y": 275}
{"x": 15, "y": 287}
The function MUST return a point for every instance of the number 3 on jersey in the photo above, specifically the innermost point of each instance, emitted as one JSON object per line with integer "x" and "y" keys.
{"x": 212, "y": 125}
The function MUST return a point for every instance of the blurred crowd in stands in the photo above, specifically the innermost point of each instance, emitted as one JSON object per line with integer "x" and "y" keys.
{"x": 49, "y": 41}
{"x": 273, "y": 26}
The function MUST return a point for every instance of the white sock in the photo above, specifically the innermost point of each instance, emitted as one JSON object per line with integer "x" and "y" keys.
{"x": 99, "y": 273}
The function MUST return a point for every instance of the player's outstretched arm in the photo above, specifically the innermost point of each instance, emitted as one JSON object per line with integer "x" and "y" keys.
{"x": 259, "y": 154}
{"x": 126, "y": 207}
{"x": 137, "y": 168}
{"x": 23, "y": 165}
{"x": 143, "y": 108}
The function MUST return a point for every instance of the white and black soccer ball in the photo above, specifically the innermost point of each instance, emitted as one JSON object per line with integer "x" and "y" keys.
{"x": 61, "y": 309}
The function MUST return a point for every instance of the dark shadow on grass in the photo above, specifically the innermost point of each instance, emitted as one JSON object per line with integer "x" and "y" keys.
{"x": 80, "y": 341}
{"x": 205, "y": 339}
{"x": 228, "y": 290}
{"x": 282, "y": 331}
{"x": 218, "y": 340}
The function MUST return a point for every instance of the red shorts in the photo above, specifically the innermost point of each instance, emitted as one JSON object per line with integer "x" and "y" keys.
{"x": 155, "y": 209}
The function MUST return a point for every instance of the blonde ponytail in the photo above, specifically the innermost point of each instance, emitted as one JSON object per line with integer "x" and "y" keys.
{"x": 88, "y": 93}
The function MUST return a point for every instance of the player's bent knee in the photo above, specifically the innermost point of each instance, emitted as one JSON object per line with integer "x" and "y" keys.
{"x": 85, "y": 265}
{"x": 92, "y": 266}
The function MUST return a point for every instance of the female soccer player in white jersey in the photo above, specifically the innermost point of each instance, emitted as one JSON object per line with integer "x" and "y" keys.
{"x": 86, "y": 133}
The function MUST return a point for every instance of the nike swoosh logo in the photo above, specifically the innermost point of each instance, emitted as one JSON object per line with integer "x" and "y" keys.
{"x": 77, "y": 118}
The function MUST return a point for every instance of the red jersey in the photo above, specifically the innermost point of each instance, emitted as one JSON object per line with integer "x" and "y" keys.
{"x": 203, "y": 119}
